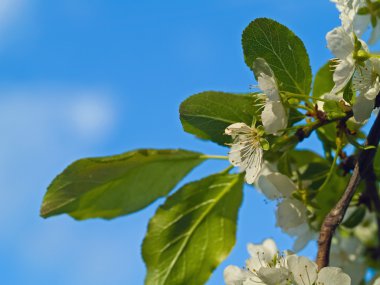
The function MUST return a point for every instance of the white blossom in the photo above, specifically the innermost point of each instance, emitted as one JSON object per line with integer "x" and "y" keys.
{"x": 247, "y": 149}
{"x": 367, "y": 83}
{"x": 291, "y": 214}
{"x": 274, "y": 116}
{"x": 347, "y": 253}
{"x": 267, "y": 266}
{"x": 342, "y": 45}
{"x": 353, "y": 22}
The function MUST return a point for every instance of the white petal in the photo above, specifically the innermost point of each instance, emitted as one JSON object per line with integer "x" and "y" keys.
{"x": 377, "y": 282}
{"x": 333, "y": 276}
{"x": 362, "y": 108}
{"x": 376, "y": 64}
{"x": 372, "y": 92}
{"x": 253, "y": 168}
{"x": 270, "y": 247}
{"x": 274, "y": 117}
{"x": 274, "y": 276}
{"x": 261, "y": 66}
{"x": 276, "y": 185}
{"x": 291, "y": 213}
{"x": 269, "y": 86}
{"x": 234, "y": 156}
{"x": 343, "y": 74}
{"x": 261, "y": 254}
{"x": 304, "y": 271}
{"x": 234, "y": 275}
{"x": 361, "y": 23}
{"x": 304, "y": 238}
{"x": 340, "y": 43}
{"x": 237, "y": 127}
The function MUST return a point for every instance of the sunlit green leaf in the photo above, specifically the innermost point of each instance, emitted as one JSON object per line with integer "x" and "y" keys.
{"x": 193, "y": 232}
{"x": 282, "y": 50}
{"x": 207, "y": 114}
{"x": 323, "y": 82}
{"x": 108, "y": 187}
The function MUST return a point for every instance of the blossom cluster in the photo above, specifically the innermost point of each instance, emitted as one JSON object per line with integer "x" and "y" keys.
{"x": 354, "y": 70}
{"x": 267, "y": 265}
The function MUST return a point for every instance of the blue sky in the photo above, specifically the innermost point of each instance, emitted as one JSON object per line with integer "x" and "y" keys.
{"x": 88, "y": 78}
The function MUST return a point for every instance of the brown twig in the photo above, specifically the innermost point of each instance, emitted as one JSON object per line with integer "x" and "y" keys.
{"x": 336, "y": 215}
{"x": 305, "y": 132}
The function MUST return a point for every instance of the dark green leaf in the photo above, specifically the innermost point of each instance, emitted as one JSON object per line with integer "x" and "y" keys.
{"x": 323, "y": 82}
{"x": 108, "y": 187}
{"x": 355, "y": 218}
{"x": 327, "y": 135}
{"x": 330, "y": 195}
{"x": 193, "y": 232}
{"x": 347, "y": 92}
{"x": 282, "y": 50}
{"x": 333, "y": 109}
{"x": 376, "y": 164}
{"x": 363, "y": 11}
{"x": 207, "y": 114}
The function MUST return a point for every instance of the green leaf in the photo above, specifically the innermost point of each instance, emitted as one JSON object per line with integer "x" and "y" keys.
{"x": 330, "y": 195}
{"x": 108, "y": 187}
{"x": 193, "y": 232}
{"x": 327, "y": 135}
{"x": 323, "y": 82}
{"x": 207, "y": 114}
{"x": 376, "y": 164}
{"x": 355, "y": 218}
{"x": 347, "y": 92}
{"x": 363, "y": 11}
{"x": 333, "y": 109}
{"x": 282, "y": 50}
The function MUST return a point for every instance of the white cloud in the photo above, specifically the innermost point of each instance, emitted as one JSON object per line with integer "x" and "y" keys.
{"x": 40, "y": 127}
{"x": 90, "y": 115}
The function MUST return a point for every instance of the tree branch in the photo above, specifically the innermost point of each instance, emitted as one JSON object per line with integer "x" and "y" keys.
{"x": 336, "y": 215}
{"x": 305, "y": 132}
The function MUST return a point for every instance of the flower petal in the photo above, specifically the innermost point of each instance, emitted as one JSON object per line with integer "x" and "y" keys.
{"x": 340, "y": 43}
{"x": 261, "y": 254}
{"x": 254, "y": 165}
{"x": 274, "y": 276}
{"x": 274, "y": 117}
{"x": 269, "y": 87}
{"x": 234, "y": 275}
{"x": 303, "y": 270}
{"x": 291, "y": 213}
{"x": 276, "y": 185}
{"x": 333, "y": 276}
{"x": 361, "y": 23}
{"x": 343, "y": 73}
{"x": 237, "y": 128}
{"x": 362, "y": 108}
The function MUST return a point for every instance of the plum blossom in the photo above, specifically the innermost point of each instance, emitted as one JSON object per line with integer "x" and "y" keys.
{"x": 267, "y": 266}
{"x": 247, "y": 149}
{"x": 352, "y": 21}
{"x": 347, "y": 253}
{"x": 366, "y": 82}
{"x": 274, "y": 115}
{"x": 304, "y": 272}
{"x": 344, "y": 47}
{"x": 291, "y": 214}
